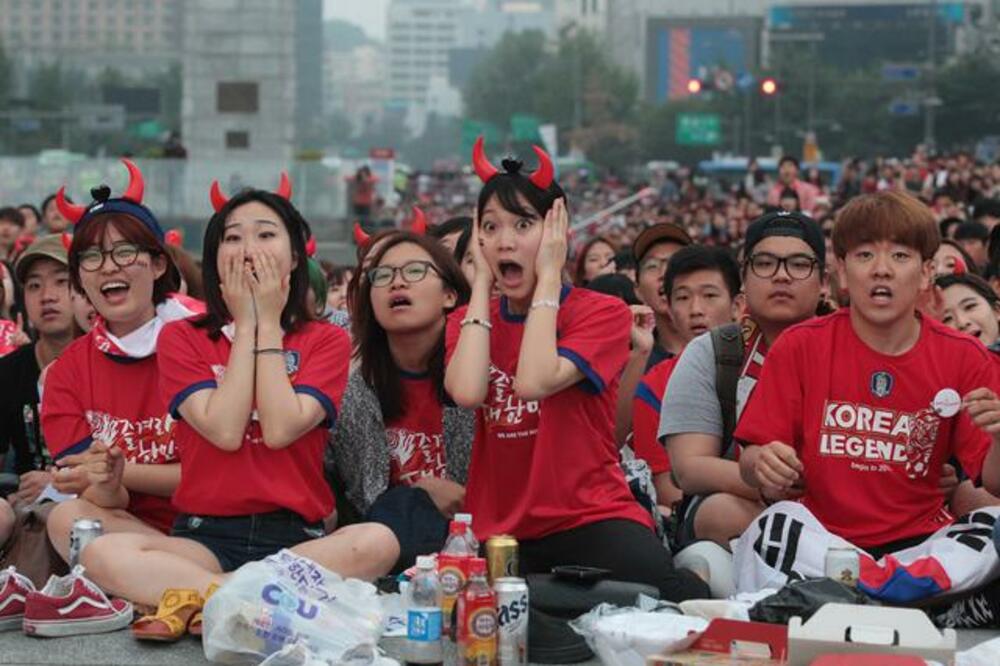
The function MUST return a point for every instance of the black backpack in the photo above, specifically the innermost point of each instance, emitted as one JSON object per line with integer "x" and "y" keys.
{"x": 727, "y": 341}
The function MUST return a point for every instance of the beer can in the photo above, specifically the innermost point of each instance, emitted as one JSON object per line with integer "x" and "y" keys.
{"x": 512, "y": 621}
{"x": 501, "y": 556}
{"x": 84, "y": 531}
{"x": 843, "y": 565}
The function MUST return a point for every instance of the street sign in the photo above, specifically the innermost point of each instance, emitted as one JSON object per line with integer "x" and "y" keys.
{"x": 698, "y": 129}
{"x": 904, "y": 107}
{"x": 900, "y": 72}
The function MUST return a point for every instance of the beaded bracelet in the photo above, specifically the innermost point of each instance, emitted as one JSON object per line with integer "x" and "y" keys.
{"x": 478, "y": 322}
{"x": 545, "y": 304}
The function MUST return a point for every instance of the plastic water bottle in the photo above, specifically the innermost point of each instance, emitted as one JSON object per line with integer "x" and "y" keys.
{"x": 423, "y": 615}
{"x": 470, "y": 536}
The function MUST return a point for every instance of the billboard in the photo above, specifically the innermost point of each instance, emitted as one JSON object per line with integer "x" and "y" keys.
{"x": 679, "y": 49}
{"x": 855, "y": 36}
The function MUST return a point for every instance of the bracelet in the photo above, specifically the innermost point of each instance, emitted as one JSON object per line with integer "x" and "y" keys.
{"x": 545, "y": 304}
{"x": 478, "y": 322}
{"x": 269, "y": 350}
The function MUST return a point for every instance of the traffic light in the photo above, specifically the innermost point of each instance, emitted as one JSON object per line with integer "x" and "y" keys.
{"x": 694, "y": 86}
{"x": 769, "y": 86}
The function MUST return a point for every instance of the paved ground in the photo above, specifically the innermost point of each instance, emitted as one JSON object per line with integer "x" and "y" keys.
{"x": 120, "y": 649}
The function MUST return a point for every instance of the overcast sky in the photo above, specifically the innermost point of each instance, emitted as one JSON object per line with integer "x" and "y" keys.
{"x": 369, "y": 14}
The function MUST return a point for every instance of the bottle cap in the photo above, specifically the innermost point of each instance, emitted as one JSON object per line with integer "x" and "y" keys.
{"x": 465, "y": 518}
{"x": 425, "y": 562}
{"x": 455, "y": 527}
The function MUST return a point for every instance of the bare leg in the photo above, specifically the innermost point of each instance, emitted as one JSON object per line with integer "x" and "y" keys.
{"x": 365, "y": 551}
{"x": 722, "y": 517}
{"x": 139, "y": 567}
{"x": 114, "y": 520}
{"x": 7, "y": 520}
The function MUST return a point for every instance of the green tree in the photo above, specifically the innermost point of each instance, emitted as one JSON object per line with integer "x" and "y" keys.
{"x": 505, "y": 82}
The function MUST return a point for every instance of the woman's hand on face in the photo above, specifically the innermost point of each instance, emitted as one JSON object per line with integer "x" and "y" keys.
{"x": 483, "y": 273}
{"x": 270, "y": 288}
{"x": 551, "y": 255}
{"x": 235, "y": 289}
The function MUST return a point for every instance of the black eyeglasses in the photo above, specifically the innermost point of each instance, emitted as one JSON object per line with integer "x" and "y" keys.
{"x": 798, "y": 266}
{"x": 122, "y": 254}
{"x": 412, "y": 271}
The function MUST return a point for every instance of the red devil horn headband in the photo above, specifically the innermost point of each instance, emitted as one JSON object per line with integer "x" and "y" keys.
{"x": 360, "y": 237}
{"x": 541, "y": 178}
{"x": 311, "y": 247}
{"x": 75, "y": 212}
{"x": 219, "y": 199}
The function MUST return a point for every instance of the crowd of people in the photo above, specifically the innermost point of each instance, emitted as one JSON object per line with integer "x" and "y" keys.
{"x": 703, "y": 391}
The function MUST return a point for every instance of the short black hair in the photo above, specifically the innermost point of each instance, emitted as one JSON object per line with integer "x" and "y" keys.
{"x": 947, "y": 223}
{"x": 973, "y": 282}
{"x": 972, "y": 230}
{"x": 450, "y": 226}
{"x": 694, "y": 258}
{"x": 788, "y": 158}
{"x": 625, "y": 260}
{"x": 12, "y": 214}
{"x": 984, "y": 207}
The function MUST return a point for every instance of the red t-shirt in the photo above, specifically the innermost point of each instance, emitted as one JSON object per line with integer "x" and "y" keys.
{"x": 416, "y": 438}
{"x": 7, "y": 331}
{"x": 254, "y": 478}
{"x": 646, "y": 416}
{"x": 90, "y": 395}
{"x": 863, "y": 424}
{"x": 540, "y": 467}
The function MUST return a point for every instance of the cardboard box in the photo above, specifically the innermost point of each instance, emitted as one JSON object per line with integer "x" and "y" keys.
{"x": 848, "y": 629}
{"x": 734, "y": 643}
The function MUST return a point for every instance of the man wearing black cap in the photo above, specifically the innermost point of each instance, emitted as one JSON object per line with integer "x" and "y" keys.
{"x": 653, "y": 249}
{"x": 783, "y": 273}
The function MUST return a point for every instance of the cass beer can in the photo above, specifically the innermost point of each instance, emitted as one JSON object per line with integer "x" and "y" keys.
{"x": 83, "y": 532}
{"x": 512, "y": 621}
{"x": 501, "y": 556}
{"x": 843, "y": 565}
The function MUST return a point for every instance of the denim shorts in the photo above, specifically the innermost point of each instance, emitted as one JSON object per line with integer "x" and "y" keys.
{"x": 236, "y": 540}
{"x": 412, "y": 516}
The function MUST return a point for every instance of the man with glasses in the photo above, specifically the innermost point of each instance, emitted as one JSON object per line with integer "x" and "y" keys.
{"x": 783, "y": 273}
{"x": 653, "y": 249}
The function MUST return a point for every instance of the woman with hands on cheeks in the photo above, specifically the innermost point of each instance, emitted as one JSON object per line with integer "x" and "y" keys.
{"x": 540, "y": 364}
{"x": 255, "y": 384}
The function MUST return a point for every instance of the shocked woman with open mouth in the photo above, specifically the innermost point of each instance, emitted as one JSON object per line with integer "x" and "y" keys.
{"x": 540, "y": 363}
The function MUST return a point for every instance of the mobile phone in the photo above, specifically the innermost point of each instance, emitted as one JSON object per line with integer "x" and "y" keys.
{"x": 578, "y": 572}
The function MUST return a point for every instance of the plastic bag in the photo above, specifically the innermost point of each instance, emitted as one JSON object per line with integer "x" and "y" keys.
{"x": 984, "y": 654}
{"x": 628, "y": 636}
{"x": 300, "y": 655}
{"x": 287, "y": 600}
{"x": 803, "y": 598}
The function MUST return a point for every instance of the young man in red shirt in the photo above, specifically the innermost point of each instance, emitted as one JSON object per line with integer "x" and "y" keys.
{"x": 702, "y": 286}
{"x": 854, "y": 417}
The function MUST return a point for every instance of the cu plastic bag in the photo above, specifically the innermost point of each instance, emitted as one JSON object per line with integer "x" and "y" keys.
{"x": 289, "y": 600}
{"x": 628, "y": 636}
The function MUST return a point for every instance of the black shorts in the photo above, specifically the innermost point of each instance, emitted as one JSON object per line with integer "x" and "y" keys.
{"x": 413, "y": 518}
{"x": 236, "y": 540}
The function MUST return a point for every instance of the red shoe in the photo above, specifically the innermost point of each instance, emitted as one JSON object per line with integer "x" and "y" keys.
{"x": 72, "y": 605}
{"x": 14, "y": 591}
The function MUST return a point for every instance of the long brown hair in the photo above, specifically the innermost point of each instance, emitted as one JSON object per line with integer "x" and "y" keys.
{"x": 377, "y": 366}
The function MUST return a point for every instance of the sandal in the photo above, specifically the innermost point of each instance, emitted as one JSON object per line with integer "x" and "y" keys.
{"x": 173, "y": 615}
{"x": 194, "y": 626}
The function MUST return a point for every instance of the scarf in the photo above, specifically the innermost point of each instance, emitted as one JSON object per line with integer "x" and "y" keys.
{"x": 141, "y": 343}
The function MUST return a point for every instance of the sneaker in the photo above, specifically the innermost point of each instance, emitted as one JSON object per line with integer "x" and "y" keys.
{"x": 72, "y": 605}
{"x": 979, "y": 610}
{"x": 14, "y": 591}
